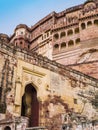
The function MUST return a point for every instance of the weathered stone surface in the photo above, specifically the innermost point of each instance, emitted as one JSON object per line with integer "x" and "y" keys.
{"x": 37, "y": 91}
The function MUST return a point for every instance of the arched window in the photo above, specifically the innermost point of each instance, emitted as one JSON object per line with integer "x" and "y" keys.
{"x": 76, "y": 30}
{"x": 70, "y": 43}
{"x": 63, "y": 45}
{"x": 28, "y": 46}
{"x": 77, "y": 41}
{"x": 56, "y": 46}
{"x": 42, "y": 38}
{"x": 62, "y": 34}
{"x": 16, "y": 44}
{"x": 21, "y": 33}
{"x": 89, "y": 23}
{"x": 7, "y": 128}
{"x": 21, "y": 43}
{"x": 96, "y": 22}
{"x": 47, "y": 34}
{"x": 70, "y": 32}
{"x": 56, "y": 36}
{"x": 83, "y": 26}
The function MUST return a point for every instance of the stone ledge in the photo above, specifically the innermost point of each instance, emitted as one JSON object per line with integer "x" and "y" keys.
{"x": 36, "y": 128}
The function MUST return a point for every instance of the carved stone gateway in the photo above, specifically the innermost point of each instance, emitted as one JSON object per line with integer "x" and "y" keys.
{"x": 40, "y": 94}
{"x": 30, "y": 105}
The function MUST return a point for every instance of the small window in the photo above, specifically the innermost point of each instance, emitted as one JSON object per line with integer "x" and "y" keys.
{"x": 28, "y": 46}
{"x": 63, "y": 45}
{"x": 96, "y": 22}
{"x": 22, "y": 33}
{"x": 89, "y": 23}
{"x": 70, "y": 43}
{"x": 83, "y": 26}
{"x": 62, "y": 34}
{"x": 75, "y": 101}
{"x": 56, "y": 36}
{"x": 20, "y": 43}
{"x": 47, "y": 34}
{"x": 76, "y": 30}
{"x": 42, "y": 37}
{"x": 70, "y": 32}
{"x": 77, "y": 40}
{"x": 29, "y": 36}
{"x": 56, "y": 46}
{"x": 16, "y": 44}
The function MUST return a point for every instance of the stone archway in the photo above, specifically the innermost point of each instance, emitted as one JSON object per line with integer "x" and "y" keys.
{"x": 30, "y": 105}
{"x": 7, "y": 128}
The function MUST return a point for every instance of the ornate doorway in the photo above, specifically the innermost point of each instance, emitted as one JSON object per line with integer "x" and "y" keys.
{"x": 30, "y": 105}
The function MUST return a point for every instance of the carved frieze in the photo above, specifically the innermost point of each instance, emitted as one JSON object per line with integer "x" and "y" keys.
{"x": 88, "y": 8}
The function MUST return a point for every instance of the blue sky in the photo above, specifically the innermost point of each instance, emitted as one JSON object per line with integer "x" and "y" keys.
{"x": 14, "y": 12}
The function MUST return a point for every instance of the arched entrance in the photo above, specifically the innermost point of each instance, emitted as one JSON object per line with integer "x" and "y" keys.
{"x": 7, "y": 128}
{"x": 30, "y": 105}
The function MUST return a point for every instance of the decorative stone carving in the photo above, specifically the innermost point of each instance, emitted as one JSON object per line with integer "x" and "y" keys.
{"x": 88, "y": 8}
{"x": 39, "y": 81}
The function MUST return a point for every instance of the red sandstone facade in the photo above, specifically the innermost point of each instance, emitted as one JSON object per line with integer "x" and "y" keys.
{"x": 69, "y": 37}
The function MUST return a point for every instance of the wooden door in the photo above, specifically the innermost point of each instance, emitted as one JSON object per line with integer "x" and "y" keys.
{"x": 30, "y": 105}
{"x": 34, "y": 109}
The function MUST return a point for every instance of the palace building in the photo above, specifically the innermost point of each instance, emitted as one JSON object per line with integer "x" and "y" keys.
{"x": 49, "y": 72}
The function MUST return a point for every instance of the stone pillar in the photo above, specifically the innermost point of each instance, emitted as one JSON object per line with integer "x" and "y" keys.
{"x": 41, "y": 116}
{"x": 18, "y": 97}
